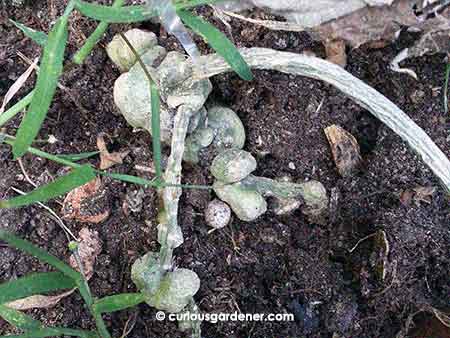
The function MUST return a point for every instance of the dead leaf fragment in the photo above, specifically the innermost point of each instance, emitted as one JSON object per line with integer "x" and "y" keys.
{"x": 424, "y": 194}
{"x": 381, "y": 251}
{"x": 38, "y": 301}
{"x": 345, "y": 149}
{"x": 406, "y": 197}
{"x": 107, "y": 159}
{"x": 336, "y": 52}
{"x": 17, "y": 85}
{"x": 370, "y": 24}
{"x": 87, "y": 203}
{"x": 417, "y": 194}
{"x": 89, "y": 247}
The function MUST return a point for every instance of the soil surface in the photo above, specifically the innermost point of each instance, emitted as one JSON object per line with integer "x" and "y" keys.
{"x": 325, "y": 274}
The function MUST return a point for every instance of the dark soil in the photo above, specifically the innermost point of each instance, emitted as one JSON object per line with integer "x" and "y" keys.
{"x": 275, "y": 264}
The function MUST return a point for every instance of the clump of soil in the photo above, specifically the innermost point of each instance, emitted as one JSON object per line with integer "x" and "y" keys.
{"x": 277, "y": 264}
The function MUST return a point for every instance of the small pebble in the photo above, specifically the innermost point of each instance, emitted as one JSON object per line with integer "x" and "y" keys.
{"x": 217, "y": 214}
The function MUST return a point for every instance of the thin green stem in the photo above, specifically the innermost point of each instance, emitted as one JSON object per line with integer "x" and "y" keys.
{"x": 85, "y": 291}
{"x": 155, "y": 108}
{"x": 121, "y": 177}
{"x": 16, "y": 109}
{"x": 138, "y": 57}
{"x": 94, "y": 38}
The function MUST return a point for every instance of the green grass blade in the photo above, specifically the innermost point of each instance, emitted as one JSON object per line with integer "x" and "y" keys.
{"x": 50, "y": 69}
{"x": 16, "y": 109}
{"x": 33, "y": 284}
{"x": 183, "y": 4}
{"x": 119, "y": 177}
{"x": 60, "y": 186}
{"x": 108, "y": 14}
{"x": 42, "y": 255}
{"x": 131, "y": 179}
{"x": 155, "y": 109}
{"x": 39, "y": 37}
{"x": 118, "y": 302}
{"x": 219, "y": 42}
{"x": 55, "y": 332}
{"x": 78, "y": 157}
{"x": 94, "y": 38}
{"x": 148, "y": 183}
{"x": 156, "y": 130}
{"x": 19, "y": 319}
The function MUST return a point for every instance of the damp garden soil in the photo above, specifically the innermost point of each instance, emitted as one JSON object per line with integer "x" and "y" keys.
{"x": 277, "y": 264}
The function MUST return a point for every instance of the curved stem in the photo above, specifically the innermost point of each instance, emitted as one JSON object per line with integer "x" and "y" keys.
{"x": 366, "y": 96}
{"x": 171, "y": 195}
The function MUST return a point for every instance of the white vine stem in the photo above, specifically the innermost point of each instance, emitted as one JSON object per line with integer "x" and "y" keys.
{"x": 361, "y": 93}
{"x": 297, "y": 64}
{"x": 171, "y": 195}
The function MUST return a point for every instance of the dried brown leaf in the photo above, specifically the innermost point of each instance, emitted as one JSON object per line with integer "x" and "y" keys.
{"x": 17, "y": 85}
{"x": 345, "y": 149}
{"x": 107, "y": 159}
{"x": 87, "y": 203}
{"x": 406, "y": 197}
{"x": 336, "y": 52}
{"x": 369, "y": 24}
{"x": 424, "y": 194}
{"x": 89, "y": 247}
{"x": 38, "y": 301}
{"x": 435, "y": 36}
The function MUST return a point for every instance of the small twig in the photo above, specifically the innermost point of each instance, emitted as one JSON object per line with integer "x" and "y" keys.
{"x": 270, "y": 24}
{"x": 393, "y": 281}
{"x": 74, "y": 99}
{"x": 128, "y": 328}
{"x": 52, "y": 213}
{"x": 360, "y": 241}
{"x": 25, "y": 174}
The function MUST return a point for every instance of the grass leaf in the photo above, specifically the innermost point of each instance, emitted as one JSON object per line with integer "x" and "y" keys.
{"x": 108, "y": 14}
{"x": 219, "y": 42}
{"x": 42, "y": 255}
{"x": 131, "y": 179}
{"x": 155, "y": 109}
{"x": 54, "y": 332}
{"x": 50, "y": 69}
{"x": 60, "y": 186}
{"x": 16, "y": 109}
{"x": 78, "y": 157}
{"x": 94, "y": 38}
{"x": 156, "y": 129}
{"x": 118, "y": 302}
{"x": 19, "y": 319}
{"x": 33, "y": 284}
{"x": 182, "y": 4}
{"x": 39, "y": 37}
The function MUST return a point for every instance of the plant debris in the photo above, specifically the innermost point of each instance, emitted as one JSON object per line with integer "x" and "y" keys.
{"x": 345, "y": 149}
{"x": 87, "y": 203}
{"x": 107, "y": 159}
{"x": 417, "y": 195}
{"x": 38, "y": 301}
{"x": 89, "y": 247}
{"x": 336, "y": 52}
